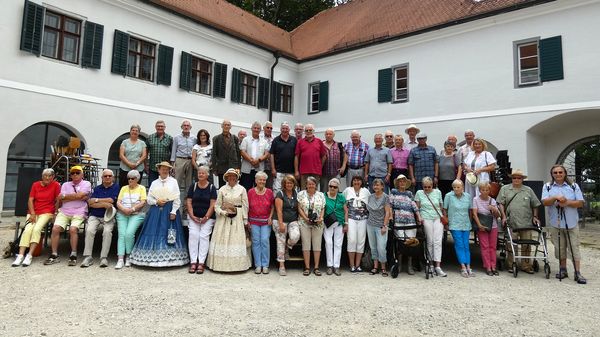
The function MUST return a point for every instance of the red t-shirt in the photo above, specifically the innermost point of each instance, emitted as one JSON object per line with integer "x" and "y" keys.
{"x": 309, "y": 155}
{"x": 44, "y": 197}
{"x": 259, "y": 207}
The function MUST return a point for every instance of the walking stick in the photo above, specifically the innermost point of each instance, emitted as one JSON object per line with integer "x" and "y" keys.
{"x": 569, "y": 240}
{"x": 560, "y": 213}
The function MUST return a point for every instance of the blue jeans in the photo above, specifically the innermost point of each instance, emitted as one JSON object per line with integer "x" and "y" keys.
{"x": 377, "y": 243}
{"x": 386, "y": 188}
{"x": 127, "y": 226}
{"x": 461, "y": 246}
{"x": 260, "y": 245}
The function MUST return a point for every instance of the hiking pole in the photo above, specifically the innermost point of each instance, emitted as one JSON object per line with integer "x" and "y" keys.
{"x": 570, "y": 244}
{"x": 559, "y": 214}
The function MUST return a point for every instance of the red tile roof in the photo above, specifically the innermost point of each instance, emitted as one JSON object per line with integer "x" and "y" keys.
{"x": 356, "y": 24}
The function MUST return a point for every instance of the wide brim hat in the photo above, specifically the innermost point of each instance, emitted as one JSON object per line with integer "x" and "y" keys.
{"x": 518, "y": 172}
{"x": 471, "y": 178}
{"x": 164, "y": 163}
{"x": 230, "y": 172}
{"x": 110, "y": 213}
{"x": 412, "y": 126}
{"x": 400, "y": 177}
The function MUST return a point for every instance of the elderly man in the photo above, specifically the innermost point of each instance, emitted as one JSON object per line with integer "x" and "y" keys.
{"x": 309, "y": 156}
{"x": 282, "y": 152}
{"x": 268, "y": 136}
{"x": 103, "y": 198}
{"x": 412, "y": 131}
{"x": 356, "y": 150}
{"x": 336, "y": 160}
{"x": 241, "y": 135}
{"x": 181, "y": 159}
{"x": 254, "y": 151}
{"x": 399, "y": 159}
{"x": 519, "y": 208}
{"x": 464, "y": 149}
{"x": 378, "y": 163}
{"x": 41, "y": 207}
{"x": 389, "y": 139}
{"x": 73, "y": 195}
{"x": 423, "y": 161}
{"x": 562, "y": 198}
{"x": 299, "y": 131}
{"x": 226, "y": 152}
{"x": 159, "y": 149}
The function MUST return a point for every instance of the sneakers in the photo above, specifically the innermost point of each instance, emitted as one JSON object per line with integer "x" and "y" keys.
{"x": 359, "y": 269}
{"x": 87, "y": 261}
{"x": 103, "y": 262}
{"x": 579, "y": 278}
{"x": 127, "y": 263}
{"x": 119, "y": 264}
{"x": 329, "y": 271}
{"x": 72, "y": 260}
{"x": 353, "y": 269}
{"x": 265, "y": 270}
{"x": 27, "y": 260}
{"x": 410, "y": 270}
{"x": 337, "y": 271}
{"x": 18, "y": 260}
{"x": 52, "y": 259}
{"x": 257, "y": 270}
{"x": 439, "y": 272}
{"x": 282, "y": 272}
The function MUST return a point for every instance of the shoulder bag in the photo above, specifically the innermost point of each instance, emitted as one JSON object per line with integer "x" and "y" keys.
{"x": 330, "y": 218}
{"x": 443, "y": 218}
{"x": 486, "y": 220}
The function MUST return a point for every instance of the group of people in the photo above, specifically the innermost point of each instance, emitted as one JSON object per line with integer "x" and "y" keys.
{"x": 290, "y": 184}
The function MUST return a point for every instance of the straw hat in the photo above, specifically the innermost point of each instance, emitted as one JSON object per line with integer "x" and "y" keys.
{"x": 164, "y": 163}
{"x": 412, "y": 126}
{"x": 400, "y": 177}
{"x": 518, "y": 172}
{"x": 230, "y": 172}
{"x": 472, "y": 178}
{"x": 109, "y": 214}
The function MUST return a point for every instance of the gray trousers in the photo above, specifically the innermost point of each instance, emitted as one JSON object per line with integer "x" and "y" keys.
{"x": 90, "y": 233}
{"x": 351, "y": 173}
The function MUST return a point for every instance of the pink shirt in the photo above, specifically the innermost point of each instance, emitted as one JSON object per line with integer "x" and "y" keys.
{"x": 75, "y": 207}
{"x": 259, "y": 207}
{"x": 309, "y": 156}
{"x": 400, "y": 157}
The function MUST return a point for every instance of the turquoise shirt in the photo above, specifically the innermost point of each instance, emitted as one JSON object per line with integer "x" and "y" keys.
{"x": 338, "y": 204}
{"x": 426, "y": 209}
{"x": 458, "y": 211}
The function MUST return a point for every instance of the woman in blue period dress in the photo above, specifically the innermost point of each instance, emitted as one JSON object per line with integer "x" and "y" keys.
{"x": 227, "y": 251}
{"x": 153, "y": 248}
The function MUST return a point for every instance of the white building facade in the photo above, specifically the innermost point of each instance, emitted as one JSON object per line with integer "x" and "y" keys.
{"x": 525, "y": 80}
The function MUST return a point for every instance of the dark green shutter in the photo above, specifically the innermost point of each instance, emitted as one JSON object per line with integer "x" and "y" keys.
{"x": 120, "y": 50}
{"x": 32, "y": 27}
{"x": 384, "y": 89}
{"x": 551, "y": 62}
{"x": 165, "y": 65}
{"x": 263, "y": 93}
{"x": 91, "y": 56}
{"x": 185, "y": 73}
{"x": 235, "y": 86}
{"x": 324, "y": 96}
{"x": 276, "y": 97}
{"x": 219, "y": 80}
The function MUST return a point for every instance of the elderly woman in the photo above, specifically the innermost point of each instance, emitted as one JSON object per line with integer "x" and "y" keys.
{"x": 430, "y": 203}
{"x": 457, "y": 205}
{"x": 260, "y": 217}
{"x": 380, "y": 213}
{"x": 336, "y": 213}
{"x": 286, "y": 222}
{"x": 130, "y": 202}
{"x": 202, "y": 151}
{"x": 357, "y": 197}
{"x": 41, "y": 208}
{"x": 227, "y": 251}
{"x": 485, "y": 212}
{"x": 481, "y": 163}
{"x": 450, "y": 167}
{"x": 405, "y": 213}
{"x": 161, "y": 243}
{"x": 132, "y": 154}
{"x": 201, "y": 199}
{"x": 311, "y": 208}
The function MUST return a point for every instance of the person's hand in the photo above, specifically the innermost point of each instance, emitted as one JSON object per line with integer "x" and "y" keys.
{"x": 413, "y": 181}
{"x": 274, "y": 174}
{"x": 172, "y": 216}
{"x": 504, "y": 222}
{"x": 387, "y": 179}
{"x": 203, "y": 220}
{"x": 297, "y": 175}
{"x": 33, "y": 218}
{"x": 247, "y": 225}
{"x": 345, "y": 229}
{"x": 161, "y": 202}
{"x": 435, "y": 181}
{"x": 482, "y": 228}
{"x": 383, "y": 229}
{"x": 281, "y": 227}
{"x": 270, "y": 222}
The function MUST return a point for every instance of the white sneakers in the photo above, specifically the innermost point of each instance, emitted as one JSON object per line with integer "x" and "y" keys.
{"x": 127, "y": 263}
{"x": 439, "y": 272}
{"x": 21, "y": 260}
{"x": 27, "y": 260}
{"x": 119, "y": 264}
{"x": 18, "y": 260}
{"x": 103, "y": 262}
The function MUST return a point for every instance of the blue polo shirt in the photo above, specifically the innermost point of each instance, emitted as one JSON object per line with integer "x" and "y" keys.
{"x": 101, "y": 192}
{"x": 458, "y": 211}
{"x": 571, "y": 192}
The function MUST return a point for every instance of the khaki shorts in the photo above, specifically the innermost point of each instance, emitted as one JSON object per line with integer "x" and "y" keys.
{"x": 564, "y": 242}
{"x": 64, "y": 220}
{"x": 311, "y": 237}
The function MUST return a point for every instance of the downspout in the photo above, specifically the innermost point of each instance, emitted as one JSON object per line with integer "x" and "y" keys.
{"x": 276, "y": 54}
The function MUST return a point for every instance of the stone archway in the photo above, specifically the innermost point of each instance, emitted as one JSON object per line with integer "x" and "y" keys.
{"x": 113, "y": 155}
{"x": 582, "y": 161}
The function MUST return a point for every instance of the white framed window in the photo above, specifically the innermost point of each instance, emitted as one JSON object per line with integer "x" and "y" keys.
{"x": 248, "y": 90}
{"x": 313, "y": 97}
{"x": 527, "y": 63}
{"x": 141, "y": 59}
{"x": 285, "y": 95}
{"x": 401, "y": 83}
{"x": 201, "y": 76}
{"x": 62, "y": 35}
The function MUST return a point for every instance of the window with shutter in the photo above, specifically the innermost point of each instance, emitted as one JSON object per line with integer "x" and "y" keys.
{"x": 201, "y": 75}
{"x": 528, "y": 63}
{"x": 165, "y": 65}
{"x": 61, "y": 38}
{"x": 384, "y": 87}
{"x": 248, "y": 89}
{"x": 91, "y": 55}
{"x": 313, "y": 98}
{"x": 220, "y": 80}
{"x": 284, "y": 101}
{"x": 263, "y": 93}
{"x": 551, "y": 62}
{"x": 185, "y": 73}
{"x": 31, "y": 30}
{"x": 235, "y": 85}
{"x": 401, "y": 84}
{"x": 119, "y": 57}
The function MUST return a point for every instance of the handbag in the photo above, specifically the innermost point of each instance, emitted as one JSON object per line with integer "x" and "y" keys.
{"x": 171, "y": 235}
{"x": 330, "y": 218}
{"x": 486, "y": 220}
{"x": 443, "y": 219}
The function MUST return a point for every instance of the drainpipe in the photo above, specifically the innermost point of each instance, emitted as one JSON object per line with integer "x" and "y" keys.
{"x": 276, "y": 54}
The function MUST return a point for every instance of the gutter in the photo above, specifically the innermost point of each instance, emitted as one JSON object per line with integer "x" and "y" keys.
{"x": 277, "y": 55}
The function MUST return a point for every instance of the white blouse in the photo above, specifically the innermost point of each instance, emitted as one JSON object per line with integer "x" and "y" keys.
{"x": 169, "y": 184}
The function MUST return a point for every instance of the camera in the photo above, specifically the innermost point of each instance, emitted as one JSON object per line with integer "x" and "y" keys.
{"x": 313, "y": 217}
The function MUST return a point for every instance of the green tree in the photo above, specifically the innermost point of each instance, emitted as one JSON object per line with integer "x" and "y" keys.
{"x": 587, "y": 165}
{"x": 286, "y": 14}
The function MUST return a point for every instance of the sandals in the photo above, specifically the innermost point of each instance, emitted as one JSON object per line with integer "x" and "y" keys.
{"x": 193, "y": 268}
{"x": 374, "y": 271}
{"x": 384, "y": 273}
{"x": 306, "y": 272}
{"x": 317, "y": 272}
{"x": 200, "y": 269}
{"x": 579, "y": 278}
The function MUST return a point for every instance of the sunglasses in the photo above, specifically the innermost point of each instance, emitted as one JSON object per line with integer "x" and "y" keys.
{"x": 75, "y": 173}
{"x": 558, "y": 172}
{"x": 131, "y": 178}
{"x": 334, "y": 187}
{"x": 269, "y": 127}
{"x": 107, "y": 176}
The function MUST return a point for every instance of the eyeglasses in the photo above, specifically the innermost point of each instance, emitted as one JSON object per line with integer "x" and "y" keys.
{"x": 389, "y": 136}
{"x": 131, "y": 178}
{"x": 107, "y": 176}
{"x": 308, "y": 130}
{"x": 558, "y": 172}
{"x": 269, "y": 127}
{"x": 427, "y": 187}
{"x": 334, "y": 187}
{"x": 75, "y": 173}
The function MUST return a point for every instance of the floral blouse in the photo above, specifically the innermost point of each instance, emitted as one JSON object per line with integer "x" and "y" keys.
{"x": 306, "y": 202}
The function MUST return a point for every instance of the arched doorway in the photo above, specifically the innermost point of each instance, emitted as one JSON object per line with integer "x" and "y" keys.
{"x": 32, "y": 147}
{"x": 582, "y": 161}
{"x": 113, "y": 155}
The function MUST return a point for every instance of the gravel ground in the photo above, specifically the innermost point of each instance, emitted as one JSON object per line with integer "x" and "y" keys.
{"x": 70, "y": 301}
